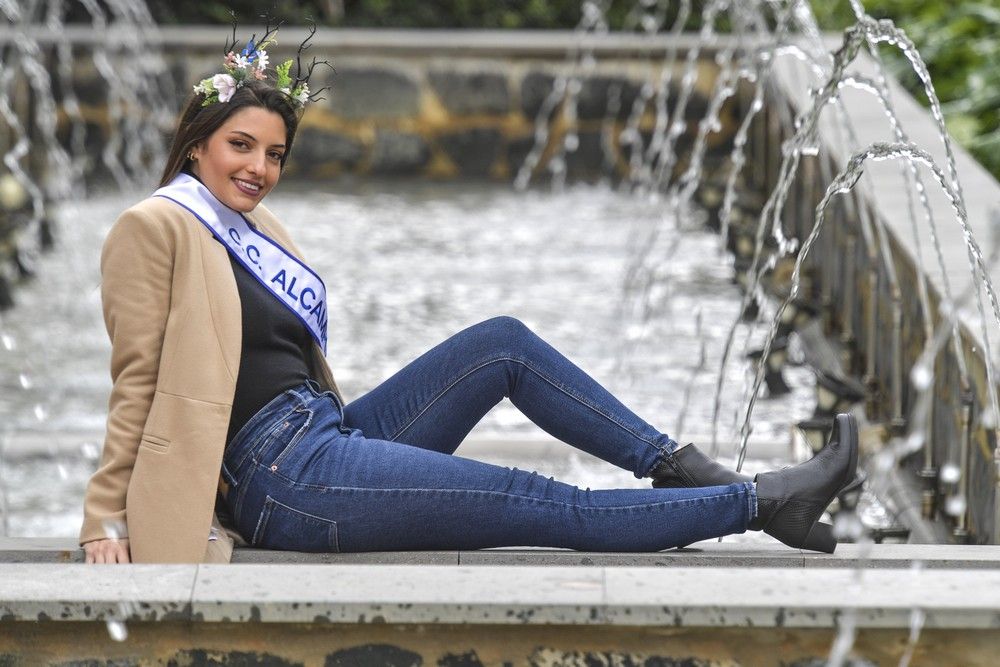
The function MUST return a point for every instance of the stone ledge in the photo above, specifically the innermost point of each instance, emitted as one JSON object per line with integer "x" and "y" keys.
{"x": 381, "y": 41}
{"x": 709, "y": 553}
{"x": 500, "y": 595}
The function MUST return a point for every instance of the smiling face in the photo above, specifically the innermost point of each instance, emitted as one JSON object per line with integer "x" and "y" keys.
{"x": 241, "y": 161}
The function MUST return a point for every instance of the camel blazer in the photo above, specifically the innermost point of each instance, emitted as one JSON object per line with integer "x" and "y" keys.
{"x": 173, "y": 314}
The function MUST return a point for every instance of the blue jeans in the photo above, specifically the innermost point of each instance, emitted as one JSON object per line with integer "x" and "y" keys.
{"x": 307, "y": 473}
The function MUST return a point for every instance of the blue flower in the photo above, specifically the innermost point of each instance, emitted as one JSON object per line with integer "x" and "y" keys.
{"x": 250, "y": 51}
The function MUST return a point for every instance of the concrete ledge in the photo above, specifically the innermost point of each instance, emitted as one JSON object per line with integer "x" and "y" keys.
{"x": 500, "y": 595}
{"x": 709, "y": 553}
{"x": 383, "y": 41}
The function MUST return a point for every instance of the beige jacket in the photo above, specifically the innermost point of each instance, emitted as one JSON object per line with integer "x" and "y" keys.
{"x": 173, "y": 313}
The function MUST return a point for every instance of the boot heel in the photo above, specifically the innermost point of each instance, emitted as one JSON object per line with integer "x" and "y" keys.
{"x": 820, "y": 538}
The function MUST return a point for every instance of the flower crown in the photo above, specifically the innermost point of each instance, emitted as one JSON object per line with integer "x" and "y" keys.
{"x": 250, "y": 64}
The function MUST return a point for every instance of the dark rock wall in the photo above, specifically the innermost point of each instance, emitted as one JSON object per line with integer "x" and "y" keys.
{"x": 473, "y": 119}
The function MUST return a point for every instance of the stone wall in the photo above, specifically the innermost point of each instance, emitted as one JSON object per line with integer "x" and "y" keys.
{"x": 741, "y": 606}
{"x": 451, "y": 118}
{"x": 417, "y": 104}
{"x": 466, "y": 119}
{"x": 437, "y": 104}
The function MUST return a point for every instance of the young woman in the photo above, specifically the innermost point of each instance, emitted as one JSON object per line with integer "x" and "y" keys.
{"x": 223, "y": 402}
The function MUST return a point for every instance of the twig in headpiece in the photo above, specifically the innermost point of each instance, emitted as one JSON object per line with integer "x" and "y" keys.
{"x": 231, "y": 45}
{"x": 303, "y": 47}
{"x": 303, "y": 78}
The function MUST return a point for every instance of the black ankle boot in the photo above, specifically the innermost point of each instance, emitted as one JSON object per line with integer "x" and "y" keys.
{"x": 689, "y": 467}
{"x": 791, "y": 501}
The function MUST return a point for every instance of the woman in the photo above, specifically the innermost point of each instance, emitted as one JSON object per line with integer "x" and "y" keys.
{"x": 223, "y": 401}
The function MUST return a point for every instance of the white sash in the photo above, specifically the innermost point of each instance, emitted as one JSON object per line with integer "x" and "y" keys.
{"x": 289, "y": 280}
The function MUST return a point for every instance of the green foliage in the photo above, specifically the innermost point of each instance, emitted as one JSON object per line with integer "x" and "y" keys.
{"x": 282, "y": 78}
{"x": 960, "y": 42}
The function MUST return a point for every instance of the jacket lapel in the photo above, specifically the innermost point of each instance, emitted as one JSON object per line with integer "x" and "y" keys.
{"x": 223, "y": 298}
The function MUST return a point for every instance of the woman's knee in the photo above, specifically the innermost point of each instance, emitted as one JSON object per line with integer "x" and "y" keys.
{"x": 506, "y": 327}
{"x": 506, "y": 332}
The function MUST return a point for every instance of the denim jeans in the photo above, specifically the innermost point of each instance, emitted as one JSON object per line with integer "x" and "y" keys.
{"x": 307, "y": 473}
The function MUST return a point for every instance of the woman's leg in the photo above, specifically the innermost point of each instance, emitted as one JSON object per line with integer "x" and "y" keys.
{"x": 435, "y": 400}
{"x": 301, "y": 480}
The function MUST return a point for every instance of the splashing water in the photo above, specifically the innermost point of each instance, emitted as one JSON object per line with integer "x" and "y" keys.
{"x": 842, "y": 184}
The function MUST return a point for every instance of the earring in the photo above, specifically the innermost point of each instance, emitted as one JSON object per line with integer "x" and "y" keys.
{"x": 191, "y": 156}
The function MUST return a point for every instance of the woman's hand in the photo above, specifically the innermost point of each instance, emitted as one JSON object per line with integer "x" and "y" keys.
{"x": 107, "y": 551}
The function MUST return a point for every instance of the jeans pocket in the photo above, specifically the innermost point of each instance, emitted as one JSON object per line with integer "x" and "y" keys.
{"x": 276, "y": 430}
{"x": 286, "y": 437}
{"x": 289, "y": 529}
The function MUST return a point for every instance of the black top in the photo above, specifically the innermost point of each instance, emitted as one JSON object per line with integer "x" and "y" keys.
{"x": 275, "y": 355}
{"x": 275, "y": 352}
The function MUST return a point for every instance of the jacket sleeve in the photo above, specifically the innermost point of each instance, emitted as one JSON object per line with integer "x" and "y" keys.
{"x": 137, "y": 262}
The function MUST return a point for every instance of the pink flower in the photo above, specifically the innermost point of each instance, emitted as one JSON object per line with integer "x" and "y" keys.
{"x": 225, "y": 85}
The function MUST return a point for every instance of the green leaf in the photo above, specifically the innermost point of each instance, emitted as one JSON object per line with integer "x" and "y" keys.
{"x": 283, "y": 80}
{"x": 963, "y": 127}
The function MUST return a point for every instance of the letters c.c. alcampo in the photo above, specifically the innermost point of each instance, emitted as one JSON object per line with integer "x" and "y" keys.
{"x": 293, "y": 283}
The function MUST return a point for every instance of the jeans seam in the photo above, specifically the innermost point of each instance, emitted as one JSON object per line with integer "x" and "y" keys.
{"x": 543, "y": 377}
{"x": 241, "y": 493}
{"x": 319, "y": 487}
{"x": 262, "y": 520}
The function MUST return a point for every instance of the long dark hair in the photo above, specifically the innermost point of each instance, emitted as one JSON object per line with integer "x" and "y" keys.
{"x": 197, "y": 122}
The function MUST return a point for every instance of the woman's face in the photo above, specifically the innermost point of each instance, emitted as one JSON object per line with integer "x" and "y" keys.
{"x": 241, "y": 161}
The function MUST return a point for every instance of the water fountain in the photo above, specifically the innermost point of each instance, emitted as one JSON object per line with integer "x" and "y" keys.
{"x": 910, "y": 433}
{"x": 803, "y": 143}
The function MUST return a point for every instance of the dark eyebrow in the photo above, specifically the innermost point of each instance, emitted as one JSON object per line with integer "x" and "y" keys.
{"x": 253, "y": 138}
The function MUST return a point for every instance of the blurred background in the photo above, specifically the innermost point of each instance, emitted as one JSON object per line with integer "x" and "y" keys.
{"x": 960, "y": 41}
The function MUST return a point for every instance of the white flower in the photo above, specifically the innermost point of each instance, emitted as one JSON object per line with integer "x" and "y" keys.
{"x": 240, "y": 61}
{"x": 262, "y": 60}
{"x": 302, "y": 93}
{"x": 226, "y": 85}
{"x": 204, "y": 87}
